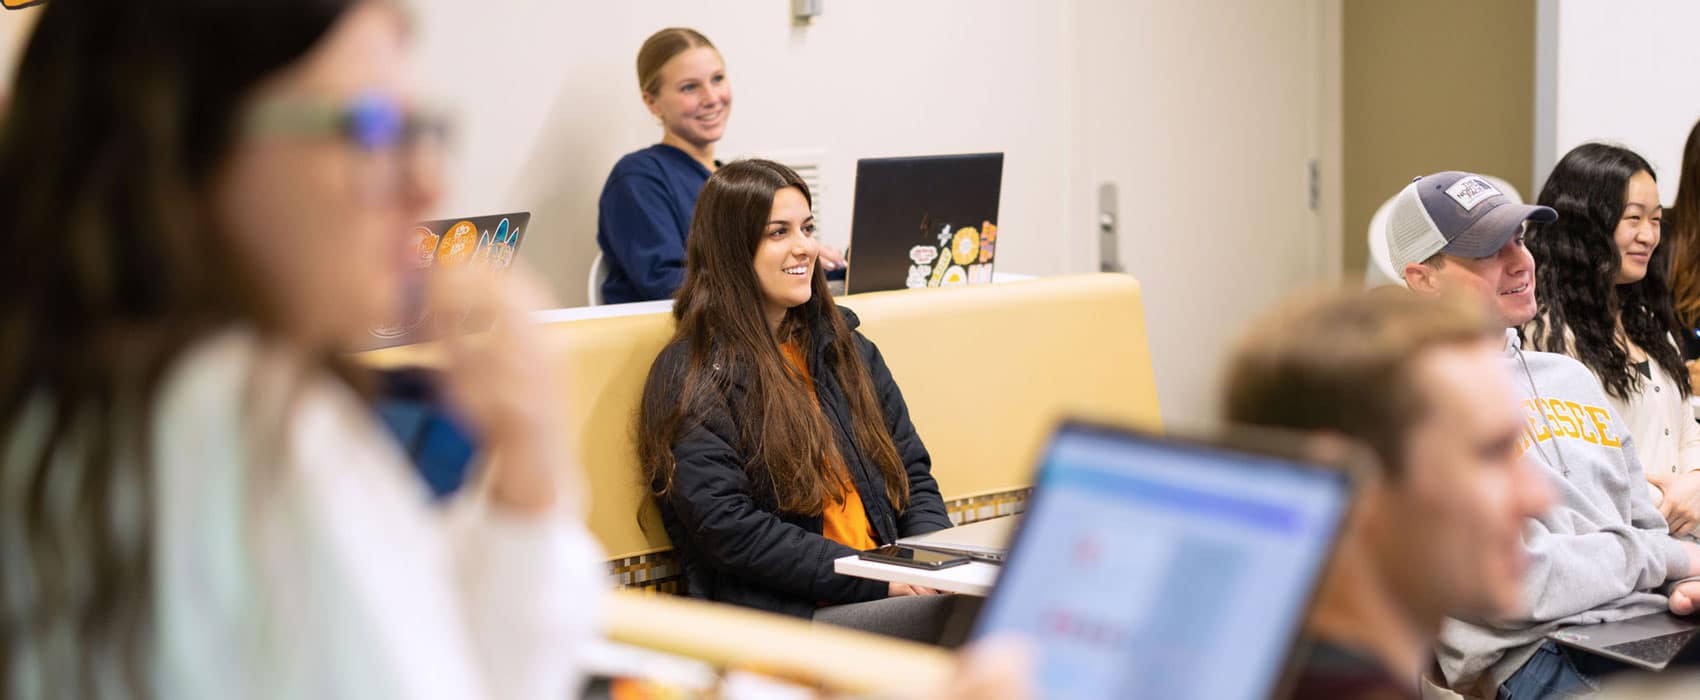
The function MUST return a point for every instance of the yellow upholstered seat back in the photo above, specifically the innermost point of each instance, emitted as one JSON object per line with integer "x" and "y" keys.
{"x": 987, "y": 371}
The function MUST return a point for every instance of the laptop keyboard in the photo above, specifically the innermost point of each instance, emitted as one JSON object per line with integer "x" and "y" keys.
{"x": 1654, "y": 649}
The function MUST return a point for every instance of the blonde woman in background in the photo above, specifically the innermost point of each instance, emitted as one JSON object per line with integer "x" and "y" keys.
{"x": 644, "y": 213}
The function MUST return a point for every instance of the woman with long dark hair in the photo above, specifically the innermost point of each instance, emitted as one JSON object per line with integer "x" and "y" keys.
{"x": 1682, "y": 229}
{"x": 1600, "y": 278}
{"x": 204, "y": 204}
{"x": 774, "y": 436}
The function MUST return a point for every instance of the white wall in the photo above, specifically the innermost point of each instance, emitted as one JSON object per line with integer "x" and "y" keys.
{"x": 1168, "y": 99}
{"x": 1206, "y": 115}
{"x": 1626, "y": 72}
{"x": 549, "y": 101}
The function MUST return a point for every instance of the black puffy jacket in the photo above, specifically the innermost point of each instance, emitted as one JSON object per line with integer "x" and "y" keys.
{"x": 734, "y": 546}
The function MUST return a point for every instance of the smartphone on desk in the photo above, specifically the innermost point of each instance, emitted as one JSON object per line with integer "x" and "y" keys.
{"x": 916, "y": 558}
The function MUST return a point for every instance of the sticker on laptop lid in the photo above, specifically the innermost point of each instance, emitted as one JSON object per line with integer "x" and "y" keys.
{"x": 1470, "y": 191}
{"x": 965, "y": 248}
{"x": 939, "y": 268}
{"x": 458, "y": 244}
{"x": 917, "y": 277}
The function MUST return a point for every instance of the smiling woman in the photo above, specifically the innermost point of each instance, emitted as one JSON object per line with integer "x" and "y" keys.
{"x": 1604, "y": 299}
{"x": 785, "y": 258}
{"x": 645, "y": 209}
{"x": 644, "y": 213}
{"x": 772, "y": 433}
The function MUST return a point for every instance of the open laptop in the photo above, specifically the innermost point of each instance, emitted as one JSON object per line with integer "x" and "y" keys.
{"x": 928, "y": 221}
{"x": 1649, "y": 641}
{"x": 491, "y": 240}
{"x": 985, "y": 540}
{"x": 1158, "y": 567}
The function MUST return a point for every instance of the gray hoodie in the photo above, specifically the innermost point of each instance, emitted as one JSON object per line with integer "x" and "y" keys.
{"x": 1600, "y": 554}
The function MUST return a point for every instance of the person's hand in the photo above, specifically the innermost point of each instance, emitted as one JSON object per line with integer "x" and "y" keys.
{"x": 1681, "y": 501}
{"x": 1685, "y": 598}
{"x": 895, "y": 589}
{"x": 1692, "y": 552}
{"x": 502, "y": 382}
{"x": 831, "y": 258}
{"x": 995, "y": 669}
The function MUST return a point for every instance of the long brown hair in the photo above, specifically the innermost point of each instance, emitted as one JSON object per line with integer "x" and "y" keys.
{"x": 1684, "y": 234}
{"x": 660, "y": 48}
{"x": 123, "y": 115}
{"x": 734, "y": 357}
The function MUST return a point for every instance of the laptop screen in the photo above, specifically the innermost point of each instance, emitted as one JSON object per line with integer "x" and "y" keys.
{"x": 1153, "y": 569}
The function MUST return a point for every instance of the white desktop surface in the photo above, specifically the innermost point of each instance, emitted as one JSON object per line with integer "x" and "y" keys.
{"x": 974, "y": 578}
{"x": 579, "y": 313}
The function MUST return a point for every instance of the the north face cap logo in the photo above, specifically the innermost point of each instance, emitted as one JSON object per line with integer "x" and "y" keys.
{"x": 1470, "y": 191}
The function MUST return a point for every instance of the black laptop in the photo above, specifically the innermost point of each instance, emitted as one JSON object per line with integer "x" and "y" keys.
{"x": 1650, "y": 641}
{"x": 928, "y": 221}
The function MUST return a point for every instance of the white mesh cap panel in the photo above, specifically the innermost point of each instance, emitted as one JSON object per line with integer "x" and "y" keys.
{"x": 1411, "y": 235}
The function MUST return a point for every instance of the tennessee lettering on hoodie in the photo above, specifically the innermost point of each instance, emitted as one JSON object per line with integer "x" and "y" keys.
{"x": 1601, "y": 553}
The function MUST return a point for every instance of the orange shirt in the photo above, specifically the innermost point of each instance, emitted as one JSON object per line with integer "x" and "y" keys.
{"x": 845, "y": 523}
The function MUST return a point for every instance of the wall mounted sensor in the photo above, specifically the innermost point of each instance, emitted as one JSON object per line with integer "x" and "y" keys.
{"x": 805, "y": 11}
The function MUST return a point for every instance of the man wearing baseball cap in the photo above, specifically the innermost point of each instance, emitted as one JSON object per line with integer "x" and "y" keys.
{"x": 1602, "y": 552}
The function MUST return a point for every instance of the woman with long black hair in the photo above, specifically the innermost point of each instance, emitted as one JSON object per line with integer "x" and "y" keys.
{"x": 773, "y": 434}
{"x": 1601, "y": 282}
{"x": 203, "y": 205}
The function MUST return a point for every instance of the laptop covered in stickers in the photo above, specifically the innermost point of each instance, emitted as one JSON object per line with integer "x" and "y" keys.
{"x": 924, "y": 221}
{"x": 491, "y": 240}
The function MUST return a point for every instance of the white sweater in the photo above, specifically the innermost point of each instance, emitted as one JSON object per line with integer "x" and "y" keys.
{"x": 314, "y": 565}
{"x": 1667, "y": 438}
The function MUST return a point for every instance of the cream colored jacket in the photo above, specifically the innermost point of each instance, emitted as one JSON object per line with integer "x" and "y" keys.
{"x": 1667, "y": 439}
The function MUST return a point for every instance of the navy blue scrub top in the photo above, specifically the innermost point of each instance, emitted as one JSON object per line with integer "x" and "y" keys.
{"x": 642, "y": 219}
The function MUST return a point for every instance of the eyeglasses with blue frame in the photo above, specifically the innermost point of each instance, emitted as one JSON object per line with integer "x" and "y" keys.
{"x": 371, "y": 123}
